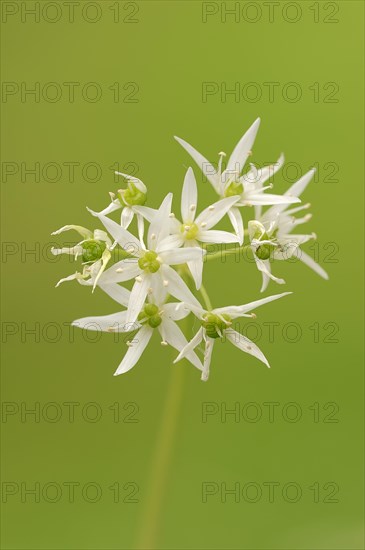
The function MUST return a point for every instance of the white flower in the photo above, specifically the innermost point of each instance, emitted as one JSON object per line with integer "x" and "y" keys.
{"x": 156, "y": 314}
{"x": 230, "y": 181}
{"x": 271, "y": 238}
{"x": 217, "y": 324}
{"x": 94, "y": 250}
{"x": 132, "y": 201}
{"x": 194, "y": 229}
{"x": 150, "y": 266}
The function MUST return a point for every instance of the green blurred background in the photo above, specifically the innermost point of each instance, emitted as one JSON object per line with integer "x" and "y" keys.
{"x": 168, "y": 50}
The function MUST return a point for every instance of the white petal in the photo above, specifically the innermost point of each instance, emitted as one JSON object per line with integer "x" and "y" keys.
{"x": 69, "y": 278}
{"x": 196, "y": 270}
{"x": 113, "y": 206}
{"x": 237, "y": 311}
{"x": 176, "y": 287}
{"x": 145, "y": 211}
{"x": 138, "y": 297}
{"x": 123, "y": 237}
{"x": 244, "y": 344}
{"x": 205, "y": 166}
{"x": 242, "y": 150}
{"x": 209, "y": 345}
{"x": 117, "y": 292}
{"x": 137, "y": 182}
{"x": 181, "y": 255}
{"x": 189, "y": 197}
{"x": 294, "y": 191}
{"x": 306, "y": 259}
{"x": 130, "y": 269}
{"x": 74, "y": 251}
{"x": 191, "y": 345}
{"x": 261, "y": 175}
{"x": 172, "y": 241}
{"x": 135, "y": 350}
{"x": 85, "y": 233}
{"x": 140, "y": 226}
{"x": 159, "y": 228}
{"x": 174, "y": 336}
{"x": 214, "y": 236}
{"x": 267, "y": 199}
{"x": 175, "y": 311}
{"x": 116, "y": 322}
{"x": 157, "y": 292}
{"x": 127, "y": 217}
{"x": 237, "y": 223}
{"x": 214, "y": 213}
{"x": 265, "y": 267}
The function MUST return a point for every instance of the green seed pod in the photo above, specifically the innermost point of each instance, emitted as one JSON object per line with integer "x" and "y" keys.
{"x": 132, "y": 196}
{"x": 154, "y": 321}
{"x": 150, "y": 309}
{"x": 92, "y": 250}
{"x": 264, "y": 251}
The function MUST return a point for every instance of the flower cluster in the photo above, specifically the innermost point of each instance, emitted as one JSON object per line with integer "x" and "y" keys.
{"x": 166, "y": 260}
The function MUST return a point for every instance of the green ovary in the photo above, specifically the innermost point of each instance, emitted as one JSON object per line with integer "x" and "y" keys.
{"x": 148, "y": 262}
{"x": 92, "y": 250}
{"x": 233, "y": 189}
{"x": 190, "y": 231}
{"x": 264, "y": 251}
{"x": 150, "y": 314}
{"x": 133, "y": 196}
{"x": 215, "y": 325}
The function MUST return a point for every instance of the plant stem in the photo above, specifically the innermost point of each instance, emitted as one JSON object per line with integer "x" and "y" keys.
{"x": 228, "y": 252}
{"x": 161, "y": 460}
{"x": 206, "y": 298}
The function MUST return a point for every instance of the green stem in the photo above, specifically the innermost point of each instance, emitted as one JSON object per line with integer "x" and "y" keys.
{"x": 206, "y": 298}
{"x": 223, "y": 253}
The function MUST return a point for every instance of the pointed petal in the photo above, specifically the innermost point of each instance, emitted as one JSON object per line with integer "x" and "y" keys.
{"x": 123, "y": 237}
{"x": 145, "y": 211}
{"x": 205, "y": 166}
{"x": 130, "y": 270}
{"x": 265, "y": 268}
{"x": 116, "y": 322}
{"x": 294, "y": 191}
{"x": 189, "y": 197}
{"x": 196, "y": 270}
{"x": 113, "y": 206}
{"x": 159, "y": 228}
{"x": 242, "y": 150}
{"x": 214, "y": 213}
{"x": 117, "y": 292}
{"x": 172, "y": 241}
{"x": 138, "y": 297}
{"x": 244, "y": 344}
{"x": 135, "y": 350}
{"x": 174, "y": 336}
{"x": 127, "y": 217}
{"x": 267, "y": 199}
{"x": 237, "y": 311}
{"x": 85, "y": 233}
{"x": 176, "y": 287}
{"x": 175, "y": 311}
{"x": 237, "y": 223}
{"x": 214, "y": 236}
{"x": 190, "y": 345}
{"x": 181, "y": 255}
{"x": 306, "y": 259}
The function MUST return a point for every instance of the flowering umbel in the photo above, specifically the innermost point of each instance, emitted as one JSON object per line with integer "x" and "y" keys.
{"x": 166, "y": 262}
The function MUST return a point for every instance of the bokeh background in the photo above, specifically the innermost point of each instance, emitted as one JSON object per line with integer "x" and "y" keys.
{"x": 150, "y": 62}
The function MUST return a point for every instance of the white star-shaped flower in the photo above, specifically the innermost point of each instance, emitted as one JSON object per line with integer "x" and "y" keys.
{"x": 150, "y": 266}
{"x": 231, "y": 182}
{"x": 272, "y": 239}
{"x": 217, "y": 324}
{"x": 155, "y": 314}
{"x": 194, "y": 229}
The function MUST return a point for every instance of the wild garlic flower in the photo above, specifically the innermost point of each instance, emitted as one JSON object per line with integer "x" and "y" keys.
{"x": 194, "y": 229}
{"x": 94, "y": 249}
{"x": 150, "y": 266}
{"x": 155, "y": 314}
{"x": 217, "y": 323}
{"x": 230, "y": 181}
{"x": 272, "y": 239}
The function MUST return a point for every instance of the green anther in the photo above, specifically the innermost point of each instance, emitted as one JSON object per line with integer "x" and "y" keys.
{"x": 92, "y": 250}
{"x": 132, "y": 196}
{"x": 233, "y": 189}
{"x": 148, "y": 262}
{"x": 155, "y": 321}
{"x": 214, "y": 325}
{"x": 190, "y": 231}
